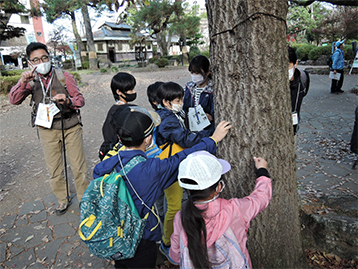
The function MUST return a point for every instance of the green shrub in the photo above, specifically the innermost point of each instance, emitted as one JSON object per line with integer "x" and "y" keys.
{"x": 114, "y": 69}
{"x": 85, "y": 64}
{"x": 8, "y": 73}
{"x": 177, "y": 57}
{"x": 193, "y": 51}
{"x": 298, "y": 45}
{"x": 302, "y": 52}
{"x": 206, "y": 53}
{"x": 67, "y": 61}
{"x": 103, "y": 70}
{"x": 315, "y": 53}
{"x": 162, "y": 62}
{"x": 77, "y": 76}
{"x": 151, "y": 60}
{"x": 348, "y": 53}
{"x": 7, "y": 82}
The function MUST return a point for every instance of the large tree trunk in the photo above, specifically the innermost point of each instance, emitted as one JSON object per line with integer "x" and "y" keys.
{"x": 80, "y": 46}
{"x": 162, "y": 43}
{"x": 92, "y": 55}
{"x": 249, "y": 66}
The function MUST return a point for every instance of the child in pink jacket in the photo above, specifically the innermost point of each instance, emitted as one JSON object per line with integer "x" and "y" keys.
{"x": 221, "y": 223}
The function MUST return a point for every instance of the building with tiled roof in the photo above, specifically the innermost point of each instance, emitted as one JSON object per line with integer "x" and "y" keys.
{"x": 112, "y": 43}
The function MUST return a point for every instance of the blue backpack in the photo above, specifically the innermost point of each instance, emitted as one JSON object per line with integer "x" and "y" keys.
{"x": 110, "y": 224}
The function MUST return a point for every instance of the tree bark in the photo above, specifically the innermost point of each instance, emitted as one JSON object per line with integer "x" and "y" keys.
{"x": 249, "y": 64}
{"x": 79, "y": 42}
{"x": 92, "y": 55}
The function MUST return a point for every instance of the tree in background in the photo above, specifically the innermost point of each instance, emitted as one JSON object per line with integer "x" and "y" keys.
{"x": 64, "y": 50}
{"x": 57, "y": 42}
{"x": 334, "y": 2}
{"x": 56, "y": 38}
{"x": 304, "y": 20}
{"x": 342, "y": 22}
{"x": 7, "y": 8}
{"x": 187, "y": 27}
{"x": 56, "y": 9}
{"x": 156, "y": 17}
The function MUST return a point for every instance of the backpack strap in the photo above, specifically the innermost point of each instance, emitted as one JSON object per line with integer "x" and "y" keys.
{"x": 60, "y": 76}
{"x": 134, "y": 161}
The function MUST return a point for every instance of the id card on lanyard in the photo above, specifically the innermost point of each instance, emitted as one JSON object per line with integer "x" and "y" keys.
{"x": 46, "y": 112}
{"x": 197, "y": 117}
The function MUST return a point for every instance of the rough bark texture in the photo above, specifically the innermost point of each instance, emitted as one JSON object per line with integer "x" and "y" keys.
{"x": 90, "y": 42}
{"x": 79, "y": 42}
{"x": 249, "y": 66}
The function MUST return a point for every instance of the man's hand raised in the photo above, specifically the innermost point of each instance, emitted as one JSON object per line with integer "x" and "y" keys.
{"x": 28, "y": 76}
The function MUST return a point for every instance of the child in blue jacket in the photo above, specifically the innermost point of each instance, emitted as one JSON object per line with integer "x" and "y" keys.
{"x": 149, "y": 178}
{"x": 172, "y": 132}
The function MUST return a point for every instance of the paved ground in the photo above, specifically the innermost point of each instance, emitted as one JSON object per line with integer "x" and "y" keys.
{"x": 32, "y": 236}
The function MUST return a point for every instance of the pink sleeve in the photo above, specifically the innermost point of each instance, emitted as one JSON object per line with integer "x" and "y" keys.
{"x": 250, "y": 206}
{"x": 174, "y": 251}
{"x": 19, "y": 92}
{"x": 77, "y": 98}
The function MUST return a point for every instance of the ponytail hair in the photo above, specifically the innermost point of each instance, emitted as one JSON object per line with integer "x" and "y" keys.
{"x": 194, "y": 226}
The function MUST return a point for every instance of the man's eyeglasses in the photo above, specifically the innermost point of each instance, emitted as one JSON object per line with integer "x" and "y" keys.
{"x": 43, "y": 59}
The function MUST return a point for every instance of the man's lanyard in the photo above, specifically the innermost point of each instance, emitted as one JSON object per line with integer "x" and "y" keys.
{"x": 47, "y": 88}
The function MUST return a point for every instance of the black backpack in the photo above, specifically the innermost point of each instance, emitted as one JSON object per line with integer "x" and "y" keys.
{"x": 305, "y": 81}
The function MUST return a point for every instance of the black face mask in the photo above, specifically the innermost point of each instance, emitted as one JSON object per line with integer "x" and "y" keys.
{"x": 130, "y": 97}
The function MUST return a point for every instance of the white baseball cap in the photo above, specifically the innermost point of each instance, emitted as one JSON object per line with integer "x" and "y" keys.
{"x": 203, "y": 168}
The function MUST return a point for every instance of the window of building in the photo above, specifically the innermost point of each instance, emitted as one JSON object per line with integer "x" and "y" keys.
{"x": 24, "y": 19}
{"x": 100, "y": 47}
{"x": 148, "y": 47}
{"x": 39, "y": 34}
{"x": 120, "y": 46}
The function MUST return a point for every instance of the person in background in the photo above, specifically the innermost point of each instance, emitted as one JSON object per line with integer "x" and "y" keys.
{"x": 123, "y": 90}
{"x": 337, "y": 67}
{"x": 53, "y": 89}
{"x": 200, "y": 90}
{"x": 296, "y": 87}
{"x": 210, "y": 230}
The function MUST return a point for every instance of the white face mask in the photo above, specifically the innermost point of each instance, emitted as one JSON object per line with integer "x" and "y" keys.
{"x": 176, "y": 108}
{"x": 43, "y": 68}
{"x": 215, "y": 197}
{"x": 197, "y": 79}
{"x": 290, "y": 73}
{"x": 150, "y": 145}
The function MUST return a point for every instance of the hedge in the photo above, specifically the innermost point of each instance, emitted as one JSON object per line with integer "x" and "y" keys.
{"x": 162, "y": 62}
{"x": 15, "y": 72}
{"x": 193, "y": 51}
{"x": 7, "y": 82}
{"x": 303, "y": 51}
{"x": 315, "y": 53}
{"x": 298, "y": 45}
{"x": 11, "y": 77}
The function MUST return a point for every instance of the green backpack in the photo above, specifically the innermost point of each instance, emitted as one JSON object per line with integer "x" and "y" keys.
{"x": 110, "y": 224}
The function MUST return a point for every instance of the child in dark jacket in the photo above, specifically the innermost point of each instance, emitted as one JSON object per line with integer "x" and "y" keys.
{"x": 122, "y": 86}
{"x": 172, "y": 132}
{"x": 148, "y": 178}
